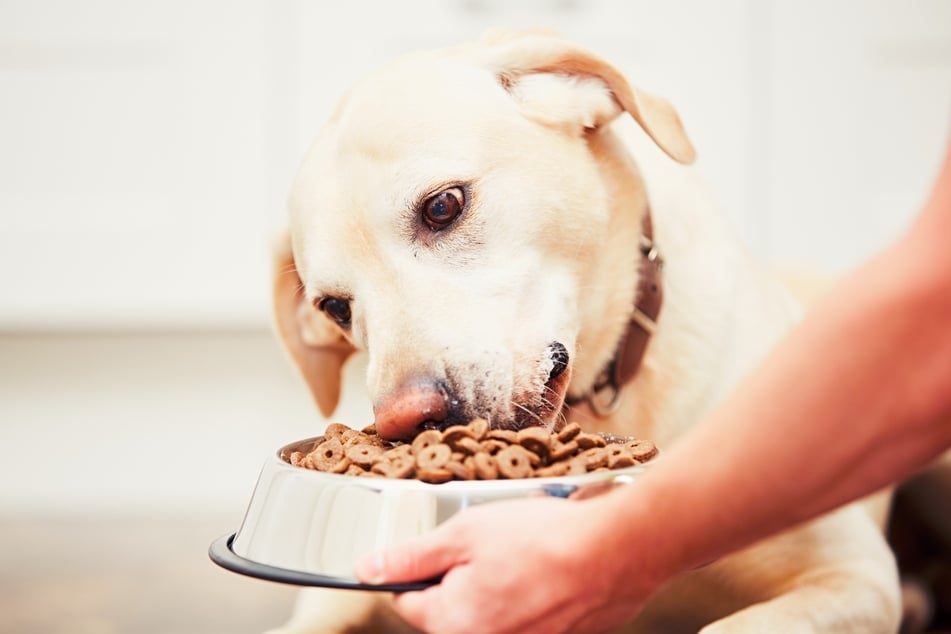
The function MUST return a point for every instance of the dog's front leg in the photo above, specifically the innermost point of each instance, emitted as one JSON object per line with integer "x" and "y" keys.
{"x": 834, "y": 602}
{"x": 835, "y": 575}
{"x": 320, "y": 611}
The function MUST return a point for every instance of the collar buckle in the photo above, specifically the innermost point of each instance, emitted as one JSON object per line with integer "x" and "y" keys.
{"x": 602, "y": 406}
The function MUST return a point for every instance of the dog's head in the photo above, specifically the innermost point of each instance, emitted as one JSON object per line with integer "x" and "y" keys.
{"x": 446, "y": 220}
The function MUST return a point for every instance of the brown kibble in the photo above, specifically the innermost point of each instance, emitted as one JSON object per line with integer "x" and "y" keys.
{"x": 364, "y": 455}
{"x": 594, "y": 458}
{"x": 434, "y": 476}
{"x": 342, "y": 465}
{"x": 562, "y": 450}
{"x": 492, "y": 446}
{"x": 642, "y": 450}
{"x": 587, "y": 441}
{"x": 328, "y": 455}
{"x": 453, "y": 434}
{"x": 552, "y": 470}
{"x": 514, "y": 462}
{"x": 485, "y": 466}
{"x": 399, "y": 451}
{"x": 568, "y": 432}
{"x": 537, "y": 440}
{"x": 505, "y": 435}
{"x": 461, "y": 439}
{"x": 621, "y": 460}
{"x": 425, "y": 439}
{"x": 355, "y": 470}
{"x": 398, "y": 467}
{"x": 433, "y": 457}
{"x": 335, "y": 430}
{"x": 468, "y": 446}
{"x": 358, "y": 438}
{"x": 479, "y": 428}
{"x": 363, "y": 439}
{"x": 577, "y": 466}
{"x": 467, "y": 452}
{"x": 533, "y": 458}
{"x": 619, "y": 456}
{"x": 460, "y": 470}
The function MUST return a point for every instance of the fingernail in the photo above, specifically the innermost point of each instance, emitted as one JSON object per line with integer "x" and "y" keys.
{"x": 370, "y": 568}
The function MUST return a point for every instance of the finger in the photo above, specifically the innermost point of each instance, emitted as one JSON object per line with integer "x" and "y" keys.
{"x": 423, "y": 558}
{"x": 415, "y": 607}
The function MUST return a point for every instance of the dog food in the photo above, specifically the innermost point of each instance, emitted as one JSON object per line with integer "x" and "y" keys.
{"x": 471, "y": 452}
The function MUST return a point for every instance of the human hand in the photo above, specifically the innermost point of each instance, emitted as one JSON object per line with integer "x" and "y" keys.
{"x": 541, "y": 565}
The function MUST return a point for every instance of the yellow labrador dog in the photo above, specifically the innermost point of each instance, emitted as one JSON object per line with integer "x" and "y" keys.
{"x": 509, "y": 230}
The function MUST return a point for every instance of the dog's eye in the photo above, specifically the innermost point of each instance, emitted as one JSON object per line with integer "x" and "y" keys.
{"x": 440, "y": 210}
{"x": 337, "y": 309}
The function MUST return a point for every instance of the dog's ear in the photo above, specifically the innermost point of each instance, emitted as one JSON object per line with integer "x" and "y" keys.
{"x": 317, "y": 347}
{"x": 560, "y": 83}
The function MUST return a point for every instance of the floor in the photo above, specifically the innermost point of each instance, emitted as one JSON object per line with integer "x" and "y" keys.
{"x": 128, "y": 575}
{"x": 123, "y": 455}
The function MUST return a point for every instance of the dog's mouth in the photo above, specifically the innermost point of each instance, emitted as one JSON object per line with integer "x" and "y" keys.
{"x": 437, "y": 404}
{"x": 542, "y": 404}
{"x": 543, "y": 408}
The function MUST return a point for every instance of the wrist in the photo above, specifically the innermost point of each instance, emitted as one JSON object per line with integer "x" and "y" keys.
{"x": 630, "y": 530}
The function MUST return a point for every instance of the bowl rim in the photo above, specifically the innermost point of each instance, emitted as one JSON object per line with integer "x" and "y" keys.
{"x": 221, "y": 552}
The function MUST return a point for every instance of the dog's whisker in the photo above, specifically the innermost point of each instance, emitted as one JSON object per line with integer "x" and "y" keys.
{"x": 530, "y": 413}
{"x": 548, "y": 401}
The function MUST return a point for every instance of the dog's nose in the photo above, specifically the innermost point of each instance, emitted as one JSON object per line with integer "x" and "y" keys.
{"x": 403, "y": 412}
{"x": 559, "y": 359}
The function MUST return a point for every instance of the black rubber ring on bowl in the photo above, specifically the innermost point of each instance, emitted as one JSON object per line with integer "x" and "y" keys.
{"x": 221, "y": 553}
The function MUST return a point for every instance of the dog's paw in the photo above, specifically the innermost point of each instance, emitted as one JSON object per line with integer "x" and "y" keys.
{"x": 319, "y": 627}
{"x": 379, "y": 625}
{"x": 298, "y": 625}
{"x": 335, "y": 612}
{"x": 754, "y": 622}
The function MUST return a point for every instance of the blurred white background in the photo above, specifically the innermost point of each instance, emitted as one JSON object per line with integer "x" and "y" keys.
{"x": 147, "y": 148}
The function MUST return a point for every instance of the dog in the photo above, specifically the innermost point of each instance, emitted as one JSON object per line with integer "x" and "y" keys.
{"x": 511, "y": 230}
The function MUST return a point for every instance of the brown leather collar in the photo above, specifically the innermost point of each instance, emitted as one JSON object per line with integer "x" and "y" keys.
{"x": 604, "y": 395}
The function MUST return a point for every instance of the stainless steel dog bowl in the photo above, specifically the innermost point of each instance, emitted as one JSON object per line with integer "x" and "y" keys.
{"x": 309, "y": 528}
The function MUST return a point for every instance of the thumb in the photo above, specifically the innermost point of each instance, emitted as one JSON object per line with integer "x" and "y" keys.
{"x": 419, "y": 559}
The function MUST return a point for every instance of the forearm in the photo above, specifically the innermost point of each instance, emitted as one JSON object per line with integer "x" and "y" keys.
{"x": 858, "y": 397}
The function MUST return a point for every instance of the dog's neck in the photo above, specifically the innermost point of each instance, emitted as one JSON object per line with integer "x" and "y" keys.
{"x": 603, "y": 396}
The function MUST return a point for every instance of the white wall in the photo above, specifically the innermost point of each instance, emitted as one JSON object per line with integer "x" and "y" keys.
{"x": 146, "y": 150}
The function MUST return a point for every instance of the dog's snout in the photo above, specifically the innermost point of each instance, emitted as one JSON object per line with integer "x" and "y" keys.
{"x": 559, "y": 359}
{"x": 411, "y": 407}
